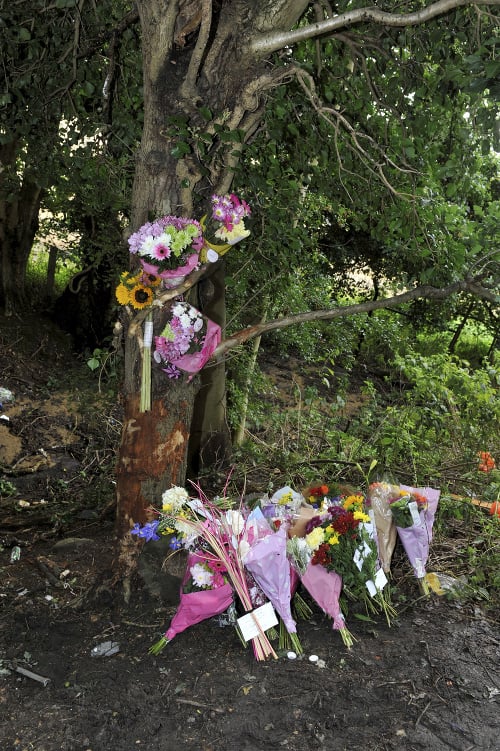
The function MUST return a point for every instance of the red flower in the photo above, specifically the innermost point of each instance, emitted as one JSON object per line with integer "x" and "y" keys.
{"x": 343, "y": 521}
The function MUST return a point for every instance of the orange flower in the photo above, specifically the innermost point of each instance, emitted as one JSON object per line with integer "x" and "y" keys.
{"x": 486, "y": 461}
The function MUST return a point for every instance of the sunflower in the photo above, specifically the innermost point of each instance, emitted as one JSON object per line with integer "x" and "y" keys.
{"x": 150, "y": 280}
{"x": 141, "y": 296}
{"x": 122, "y": 294}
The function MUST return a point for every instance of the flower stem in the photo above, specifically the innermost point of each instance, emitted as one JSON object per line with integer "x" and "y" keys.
{"x": 145, "y": 402}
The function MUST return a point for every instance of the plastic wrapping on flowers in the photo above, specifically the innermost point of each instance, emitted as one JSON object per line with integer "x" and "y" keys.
{"x": 238, "y": 554}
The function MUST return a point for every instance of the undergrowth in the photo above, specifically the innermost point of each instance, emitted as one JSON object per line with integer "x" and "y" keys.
{"x": 423, "y": 421}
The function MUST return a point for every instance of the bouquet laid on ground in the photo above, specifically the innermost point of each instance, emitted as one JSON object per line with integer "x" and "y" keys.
{"x": 413, "y": 513}
{"x": 380, "y": 495}
{"x": 252, "y": 561}
{"x": 341, "y": 539}
{"x": 187, "y": 340}
{"x": 268, "y": 563}
{"x": 205, "y": 592}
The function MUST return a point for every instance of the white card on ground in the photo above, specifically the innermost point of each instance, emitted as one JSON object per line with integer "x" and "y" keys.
{"x": 264, "y": 616}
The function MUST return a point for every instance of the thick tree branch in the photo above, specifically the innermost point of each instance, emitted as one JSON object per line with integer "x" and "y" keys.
{"x": 473, "y": 286}
{"x": 266, "y": 43}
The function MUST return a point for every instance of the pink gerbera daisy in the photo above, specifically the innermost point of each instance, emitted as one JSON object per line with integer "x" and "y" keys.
{"x": 161, "y": 251}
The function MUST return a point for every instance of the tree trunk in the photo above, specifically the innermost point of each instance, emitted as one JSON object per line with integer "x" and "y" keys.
{"x": 210, "y": 441}
{"x": 19, "y": 206}
{"x": 239, "y": 433}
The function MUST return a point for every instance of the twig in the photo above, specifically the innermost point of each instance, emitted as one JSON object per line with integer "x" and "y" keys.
{"x": 423, "y": 712}
{"x": 200, "y": 705}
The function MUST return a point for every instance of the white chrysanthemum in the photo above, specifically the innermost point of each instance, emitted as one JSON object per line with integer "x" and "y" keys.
{"x": 164, "y": 239}
{"x": 147, "y": 246}
{"x": 185, "y": 320}
{"x": 178, "y": 309}
{"x": 174, "y": 498}
{"x": 198, "y": 323}
{"x": 202, "y": 577}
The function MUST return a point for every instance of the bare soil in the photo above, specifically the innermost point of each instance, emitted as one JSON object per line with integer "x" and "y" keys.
{"x": 429, "y": 682}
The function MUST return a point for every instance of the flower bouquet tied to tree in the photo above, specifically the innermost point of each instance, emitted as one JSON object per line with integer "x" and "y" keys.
{"x": 187, "y": 340}
{"x": 168, "y": 247}
{"x": 228, "y": 215}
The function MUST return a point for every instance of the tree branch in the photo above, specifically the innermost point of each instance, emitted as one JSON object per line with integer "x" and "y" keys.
{"x": 473, "y": 286}
{"x": 266, "y": 43}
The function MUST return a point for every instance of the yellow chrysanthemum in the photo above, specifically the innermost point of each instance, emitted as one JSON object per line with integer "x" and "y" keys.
{"x": 333, "y": 540}
{"x": 141, "y": 297}
{"x": 168, "y": 531}
{"x": 352, "y": 500}
{"x": 285, "y": 499}
{"x": 361, "y": 517}
{"x": 233, "y": 236}
{"x": 167, "y": 507}
{"x": 315, "y": 538}
{"x": 122, "y": 294}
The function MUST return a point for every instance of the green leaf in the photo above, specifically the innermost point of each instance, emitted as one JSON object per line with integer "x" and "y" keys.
{"x": 206, "y": 113}
{"x": 180, "y": 149}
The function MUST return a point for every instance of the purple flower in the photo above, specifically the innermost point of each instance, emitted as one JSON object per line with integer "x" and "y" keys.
{"x": 229, "y": 210}
{"x": 147, "y": 532}
{"x": 172, "y": 371}
{"x": 175, "y": 544}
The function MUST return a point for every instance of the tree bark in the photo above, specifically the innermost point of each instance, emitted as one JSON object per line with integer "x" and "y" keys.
{"x": 18, "y": 227}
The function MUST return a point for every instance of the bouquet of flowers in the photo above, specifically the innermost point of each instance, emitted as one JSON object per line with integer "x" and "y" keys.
{"x": 228, "y": 213}
{"x": 187, "y": 341}
{"x": 168, "y": 247}
{"x": 268, "y": 563}
{"x": 342, "y": 539}
{"x": 315, "y": 495}
{"x": 205, "y": 592}
{"x": 325, "y": 588}
{"x": 380, "y": 495}
{"x": 405, "y": 510}
{"x": 137, "y": 289}
{"x": 414, "y": 513}
{"x": 222, "y": 535}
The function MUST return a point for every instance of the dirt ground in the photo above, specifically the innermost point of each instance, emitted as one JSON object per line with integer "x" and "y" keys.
{"x": 430, "y": 682}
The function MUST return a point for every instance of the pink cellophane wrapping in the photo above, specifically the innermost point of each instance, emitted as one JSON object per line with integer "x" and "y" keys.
{"x": 195, "y": 362}
{"x": 172, "y": 274}
{"x": 268, "y": 563}
{"x": 325, "y": 588}
{"x": 198, "y": 606}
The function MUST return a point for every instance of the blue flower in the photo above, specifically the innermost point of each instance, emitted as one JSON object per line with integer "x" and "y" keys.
{"x": 175, "y": 543}
{"x": 147, "y": 532}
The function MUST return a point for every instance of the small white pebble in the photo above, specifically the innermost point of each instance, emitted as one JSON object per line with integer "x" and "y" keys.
{"x": 313, "y": 658}
{"x": 291, "y": 655}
